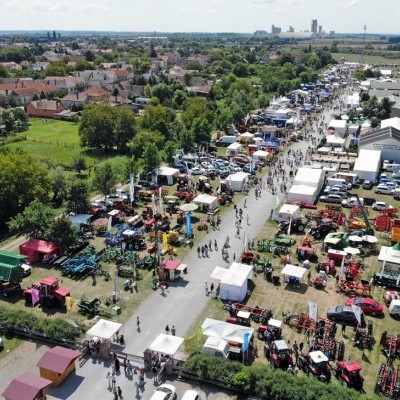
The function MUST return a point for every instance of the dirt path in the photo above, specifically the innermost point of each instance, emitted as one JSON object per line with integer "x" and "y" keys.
{"x": 14, "y": 244}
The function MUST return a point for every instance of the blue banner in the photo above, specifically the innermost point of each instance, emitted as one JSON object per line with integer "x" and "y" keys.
{"x": 189, "y": 230}
{"x": 246, "y": 341}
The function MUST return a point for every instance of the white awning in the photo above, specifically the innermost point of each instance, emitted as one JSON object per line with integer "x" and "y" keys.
{"x": 293, "y": 270}
{"x": 166, "y": 344}
{"x": 218, "y": 273}
{"x": 104, "y": 329}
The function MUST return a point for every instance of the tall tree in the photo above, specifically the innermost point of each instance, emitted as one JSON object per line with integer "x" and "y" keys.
{"x": 144, "y": 136}
{"x": 34, "y": 221}
{"x": 79, "y": 164}
{"x": 151, "y": 158}
{"x": 78, "y": 197}
{"x": 62, "y": 232}
{"x": 124, "y": 127}
{"x": 59, "y": 183}
{"x": 105, "y": 179}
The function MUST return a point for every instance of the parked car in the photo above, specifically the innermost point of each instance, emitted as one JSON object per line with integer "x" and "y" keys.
{"x": 335, "y": 190}
{"x": 223, "y": 172}
{"x": 103, "y": 203}
{"x": 392, "y": 185}
{"x": 234, "y": 167}
{"x": 352, "y": 202}
{"x": 250, "y": 169}
{"x": 332, "y": 198}
{"x": 147, "y": 184}
{"x": 197, "y": 171}
{"x": 381, "y": 205}
{"x": 383, "y": 189}
{"x": 396, "y": 175}
{"x": 164, "y": 392}
{"x": 182, "y": 167}
{"x": 392, "y": 167}
{"x": 343, "y": 314}
{"x": 369, "y": 306}
{"x": 368, "y": 185}
{"x": 191, "y": 395}
{"x": 207, "y": 165}
{"x": 27, "y": 269}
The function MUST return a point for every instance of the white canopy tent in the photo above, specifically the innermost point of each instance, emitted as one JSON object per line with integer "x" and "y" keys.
{"x": 238, "y": 181}
{"x": 233, "y": 149}
{"x": 339, "y": 125}
{"x": 293, "y": 270}
{"x": 334, "y": 140}
{"x": 287, "y": 211}
{"x": 218, "y": 273}
{"x": 260, "y": 155}
{"x": 246, "y": 136}
{"x": 368, "y": 164}
{"x": 310, "y": 177}
{"x": 166, "y": 344}
{"x": 169, "y": 173}
{"x": 302, "y": 193}
{"x": 233, "y": 285}
{"x": 224, "y": 330}
{"x": 104, "y": 329}
{"x": 204, "y": 199}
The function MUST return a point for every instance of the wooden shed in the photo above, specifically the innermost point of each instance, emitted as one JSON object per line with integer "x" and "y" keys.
{"x": 57, "y": 363}
{"x": 27, "y": 387}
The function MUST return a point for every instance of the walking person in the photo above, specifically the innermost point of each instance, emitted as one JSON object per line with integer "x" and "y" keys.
{"x": 343, "y": 328}
{"x": 108, "y": 377}
{"x": 166, "y": 329}
{"x": 215, "y": 245}
{"x": 211, "y": 288}
{"x": 173, "y": 330}
{"x": 206, "y": 288}
{"x": 113, "y": 380}
{"x": 119, "y": 391}
{"x": 247, "y": 219}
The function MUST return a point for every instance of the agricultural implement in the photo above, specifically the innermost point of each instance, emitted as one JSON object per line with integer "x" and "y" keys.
{"x": 391, "y": 346}
{"x": 80, "y": 267}
{"x": 388, "y": 383}
{"x": 249, "y": 257}
{"x": 354, "y": 289}
{"x": 92, "y": 308}
{"x": 364, "y": 338}
{"x": 257, "y": 314}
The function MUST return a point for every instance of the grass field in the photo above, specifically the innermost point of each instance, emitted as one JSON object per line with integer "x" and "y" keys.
{"x": 367, "y": 59}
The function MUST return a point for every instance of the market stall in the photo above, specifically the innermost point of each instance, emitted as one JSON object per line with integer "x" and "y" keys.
{"x": 239, "y": 181}
{"x": 170, "y": 174}
{"x": 205, "y": 200}
{"x": 36, "y": 249}
{"x": 293, "y": 273}
{"x": 174, "y": 268}
{"x": 27, "y": 387}
{"x": 57, "y": 363}
{"x": 224, "y": 330}
{"x": 166, "y": 344}
{"x": 103, "y": 333}
{"x": 233, "y": 284}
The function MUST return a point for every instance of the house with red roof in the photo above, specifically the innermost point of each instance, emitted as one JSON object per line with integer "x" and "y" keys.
{"x": 44, "y": 108}
{"x": 27, "y": 387}
{"x": 96, "y": 93}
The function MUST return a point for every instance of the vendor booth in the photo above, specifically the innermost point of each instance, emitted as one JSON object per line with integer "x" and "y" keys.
{"x": 233, "y": 149}
{"x": 302, "y": 194}
{"x": 261, "y": 156}
{"x": 226, "y": 331}
{"x": 27, "y": 387}
{"x": 368, "y": 164}
{"x": 310, "y": 177}
{"x": 288, "y": 212}
{"x": 233, "y": 285}
{"x": 39, "y": 250}
{"x": 57, "y": 363}
{"x": 238, "y": 181}
{"x": 339, "y": 126}
{"x": 335, "y": 141}
{"x": 103, "y": 333}
{"x": 166, "y": 344}
{"x": 169, "y": 173}
{"x": 173, "y": 269}
{"x": 205, "y": 200}
{"x": 293, "y": 273}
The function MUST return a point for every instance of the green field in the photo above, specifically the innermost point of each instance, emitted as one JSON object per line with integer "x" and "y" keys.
{"x": 367, "y": 59}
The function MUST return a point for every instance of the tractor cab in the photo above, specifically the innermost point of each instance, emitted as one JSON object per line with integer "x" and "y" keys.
{"x": 280, "y": 355}
{"x": 272, "y": 328}
{"x": 318, "y": 366}
{"x": 349, "y": 373}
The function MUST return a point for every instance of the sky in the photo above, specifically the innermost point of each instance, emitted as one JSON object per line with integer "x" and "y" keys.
{"x": 342, "y": 16}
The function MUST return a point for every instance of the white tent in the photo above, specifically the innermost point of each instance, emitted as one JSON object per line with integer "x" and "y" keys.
{"x": 334, "y": 140}
{"x": 166, "y": 344}
{"x": 324, "y": 150}
{"x": 238, "y": 181}
{"x": 302, "y": 193}
{"x": 339, "y": 125}
{"x": 233, "y": 149}
{"x": 104, "y": 329}
{"x": 286, "y": 212}
{"x": 80, "y": 219}
{"x": 224, "y": 330}
{"x": 368, "y": 164}
{"x": 293, "y": 270}
{"x": 204, "y": 199}
{"x": 310, "y": 177}
{"x": 246, "y": 136}
{"x": 233, "y": 285}
{"x": 218, "y": 273}
{"x": 169, "y": 173}
{"x": 260, "y": 155}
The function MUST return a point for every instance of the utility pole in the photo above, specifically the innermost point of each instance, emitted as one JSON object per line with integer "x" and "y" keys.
{"x": 362, "y": 56}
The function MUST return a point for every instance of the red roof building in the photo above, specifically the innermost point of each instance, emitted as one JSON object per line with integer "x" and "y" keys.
{"x": 44, "y": 108}
{"x": 57, "y": 363}
{"x": 27, "y": 387}
{"x": 36, "y": 249}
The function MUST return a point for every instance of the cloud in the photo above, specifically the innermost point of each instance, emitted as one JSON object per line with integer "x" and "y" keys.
{"x": 50, "y": 6}
{"x": 351, "y": 3}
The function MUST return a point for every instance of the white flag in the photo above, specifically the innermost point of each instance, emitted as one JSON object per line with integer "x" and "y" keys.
{"x": 342, "y": 269}
{"x": 357, "y": 312}
{"x": 109, "y": 224}
{"x": 313, "y": 310}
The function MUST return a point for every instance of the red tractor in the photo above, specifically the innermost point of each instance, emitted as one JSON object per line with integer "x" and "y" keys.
{"x": 316, "y": 364}
{"x": 349, "y": 373}
{"x": 50, "y": 293}
{"x": 280, "y": 355}
{"x": 241, "y": 318}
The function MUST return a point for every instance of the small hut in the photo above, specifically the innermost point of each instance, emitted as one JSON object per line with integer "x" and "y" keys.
{"x": 57, "y": 363}
{"x": 27, "y": 387}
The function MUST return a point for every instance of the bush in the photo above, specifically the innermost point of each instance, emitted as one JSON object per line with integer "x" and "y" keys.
{"x": 265, "y": 382}
{"x": 53, "y": 328}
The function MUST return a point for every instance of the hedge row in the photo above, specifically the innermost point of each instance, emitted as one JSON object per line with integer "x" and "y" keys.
{"x": 57, "y": 329}
{"x": 266, "y": 383}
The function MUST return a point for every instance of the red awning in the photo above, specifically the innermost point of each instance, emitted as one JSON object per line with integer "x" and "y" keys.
{"x": 49, "y": 281}
{"x": 25, "y": 387}
{"x": 58, "y": 359}
{"x": 62, "y": 292}
{"x": 172, "y": 264}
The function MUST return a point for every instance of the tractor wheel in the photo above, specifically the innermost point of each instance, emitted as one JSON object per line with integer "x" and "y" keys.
{"x": 261, "y": 336}
{"x": 317, "y": 235}
{"x": 300, "y": 228}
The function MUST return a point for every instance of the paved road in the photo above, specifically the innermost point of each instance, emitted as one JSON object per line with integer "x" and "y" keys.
{"x": 181, "y": 305}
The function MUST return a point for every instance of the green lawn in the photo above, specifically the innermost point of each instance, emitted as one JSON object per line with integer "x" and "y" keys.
{"x": 368, "y": 59}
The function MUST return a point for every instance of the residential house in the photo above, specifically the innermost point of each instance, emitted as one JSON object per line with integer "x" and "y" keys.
{"x": 64, "y": 82}
{"x": 96, "y": 93}
{"x": 11, "y": 65}
{"x": 44, "y": 108}
{"x": 75, "y": 99}
{"x": 40, "y": 65}
{"x": 97, "y": 77}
